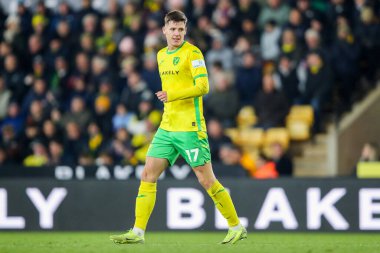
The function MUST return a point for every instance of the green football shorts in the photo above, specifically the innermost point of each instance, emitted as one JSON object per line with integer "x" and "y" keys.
{"x": 192, "y": 146}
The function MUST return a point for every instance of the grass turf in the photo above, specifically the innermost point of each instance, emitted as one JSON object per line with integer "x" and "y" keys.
{"x": 189, "y": 242}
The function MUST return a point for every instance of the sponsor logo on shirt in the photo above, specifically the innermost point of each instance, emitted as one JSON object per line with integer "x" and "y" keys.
{"x": 198, "y": 63}
{"x": 169, "y": 72}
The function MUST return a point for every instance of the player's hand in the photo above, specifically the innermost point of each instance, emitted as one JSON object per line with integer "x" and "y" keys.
{"x": 162, "y": 96}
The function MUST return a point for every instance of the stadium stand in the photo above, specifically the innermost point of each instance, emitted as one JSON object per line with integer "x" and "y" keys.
{"x": 87, "y": 69}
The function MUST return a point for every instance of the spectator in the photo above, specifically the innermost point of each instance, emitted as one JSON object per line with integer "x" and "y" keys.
{"x": 14, "y": 78}
{"x": 39, "y": 156}
{"x": 87, "y": 44}
{"x": 370, "y": 152}
{"x": 368, "y": 31}
{"x": 345, "y": 58}
{"x": 122, "y": 118}
{"x": 220, "y": 52}
{"x": 241, "y": 46}
{"x": 90, "y": 24}
{"x": 36, "y": 114}
{"x": 290, "y": 46}
{"x": 250, "y": 30}
{"x": 248, "y": 78}
{"x": 57, "y": 154}
{"x": 77, "y": 113}
{"x": 104, "y": 159}
{"x": 103, "y": 115}
{"x": 223, "y": 16}
{"x": 287, "y": 78}
{"x": 50, "y": 132}
{"x": 135, "y": 91}
{"x": 11, "y": 144}
{"x": 37, "y": 92}
{"x": 121, "y": 148}
{"x": 202, "y": 32}
{"x": 3, "y": 157}
{"x": 82, "y": 66}
{"x": 59, "y": 83}
{"x": 269, "y": 41}
{"x": 317, "y": 87}
{"x": 96, "y": 140}
{"x": 216, "y": 138}
{"x": 265, "y": 168}
{"x": 271, "y": 105}
{"x": 64, "y": 34}
{"x": 216, "y": 101}
{"x": 107, "y": 43}
{"x": 275, "y": 10}
{"x": 64, "y": 13}
{"x": 198, "y": 9}
{"x": 74, "y": 142}
{"x": 296, "y": 24}
{"x": 56, "y": 49}
{"x": 25, "y": 18}
{"x": 248, "y": 9}
{"x": 146, "y": 119}
{"x": 339, "y": 8}
{"x": 14, "y": 118}
{"x": 13, "y": 34}
{"x": 99, "y": 69}
{"x": 150, "y": 73}
{"x": 307, "y": 12}
{"x": 314, "y": 44}
{"x": 85, "y": 159}
{"x": 230, "y": 155}
{"x": 284, "y": 164}
{"x": 5, "y": 96}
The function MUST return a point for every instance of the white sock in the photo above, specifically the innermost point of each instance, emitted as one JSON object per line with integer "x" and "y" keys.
{"x": 237, "y": 227}
{"x": 138, "y": 231}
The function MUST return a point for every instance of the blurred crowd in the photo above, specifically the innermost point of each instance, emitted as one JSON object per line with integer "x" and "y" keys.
{"x": 77, "y": 84}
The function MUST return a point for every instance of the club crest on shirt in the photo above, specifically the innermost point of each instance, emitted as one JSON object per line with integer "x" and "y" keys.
{"x": 175, "y": 60}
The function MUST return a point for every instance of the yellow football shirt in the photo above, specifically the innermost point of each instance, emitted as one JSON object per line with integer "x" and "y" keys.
{"x": 184, "y": 77}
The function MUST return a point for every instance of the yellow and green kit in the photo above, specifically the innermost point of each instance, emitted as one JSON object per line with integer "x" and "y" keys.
{"x": 183, "y": 129}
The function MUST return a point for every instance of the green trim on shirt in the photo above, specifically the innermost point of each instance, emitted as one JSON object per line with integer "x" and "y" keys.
{"x": 200, "y": 75}
{"x": 175, "y": 50}
{"x": 197, "y": 113}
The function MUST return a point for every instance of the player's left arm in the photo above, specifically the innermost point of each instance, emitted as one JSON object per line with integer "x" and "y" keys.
{"x": 200, "y": 78}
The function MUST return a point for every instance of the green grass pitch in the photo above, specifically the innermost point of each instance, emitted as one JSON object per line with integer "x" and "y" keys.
{"x": 189, "y": 242}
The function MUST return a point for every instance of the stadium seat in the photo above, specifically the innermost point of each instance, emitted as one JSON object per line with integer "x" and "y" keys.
{"x": 233, "y": 133}
{"x": 251, "y": 137}
{"x": 302, "y": 112}
{"x": 276, "y": 134}
{"x": 298, "y": 130}
{"x": 246, "y": 117}
{"x": 299, "y": 122}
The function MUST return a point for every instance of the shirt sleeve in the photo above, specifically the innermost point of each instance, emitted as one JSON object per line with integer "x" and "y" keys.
{"x": 200, "y": 79}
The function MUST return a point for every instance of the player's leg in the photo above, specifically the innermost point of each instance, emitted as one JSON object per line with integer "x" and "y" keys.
{"x": 161, "y": 152}
{"x": 146, "y": 197}
{"x": 145, "y": 201}
{"x": 223, "y": 202}
{"x": 194, "y": 147}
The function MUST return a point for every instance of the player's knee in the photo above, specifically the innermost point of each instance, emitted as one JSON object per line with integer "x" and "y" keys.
{"x": 205, "y": 182}
{"x": 147, "y": 176}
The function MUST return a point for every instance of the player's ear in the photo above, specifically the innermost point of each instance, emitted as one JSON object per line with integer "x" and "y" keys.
{"x": 164, "y": 30}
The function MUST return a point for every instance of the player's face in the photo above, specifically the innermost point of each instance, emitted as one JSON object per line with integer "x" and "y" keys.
{"x": 175, "y": 34}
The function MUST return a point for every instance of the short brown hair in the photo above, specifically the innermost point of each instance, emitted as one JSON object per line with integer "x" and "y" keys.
{"x": 176, "y": 16}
